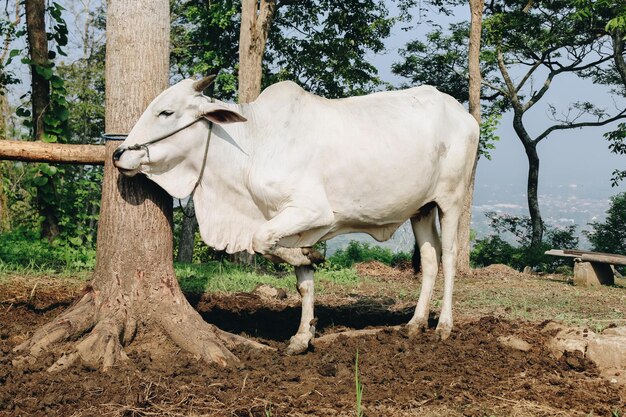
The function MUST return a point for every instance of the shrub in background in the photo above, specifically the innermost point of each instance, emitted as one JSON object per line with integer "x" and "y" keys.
{"x": 610, "y": 236}
{"x": 24, "y": 248}
{"x": 357, "y": 252}
{"x": 493, "y": 249}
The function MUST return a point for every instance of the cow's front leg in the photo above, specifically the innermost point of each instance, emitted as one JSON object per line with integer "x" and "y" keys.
{"x": 290, "y": 222}
{"x": 306, "y": 331}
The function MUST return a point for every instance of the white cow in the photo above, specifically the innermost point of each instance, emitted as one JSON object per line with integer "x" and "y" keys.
{"x": 291, "y": 169}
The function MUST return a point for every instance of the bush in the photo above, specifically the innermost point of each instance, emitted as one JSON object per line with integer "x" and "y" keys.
{"x": 610, "y": 235}
{"x": 25, "y": 249}
{"x": 495, "y": 250}
{"x": 357, "y": 252}
{"x": 492, "y": 250}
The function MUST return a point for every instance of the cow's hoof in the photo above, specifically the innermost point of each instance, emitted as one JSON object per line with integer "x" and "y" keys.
{"x": 416, "y": 329}
{"x": 443, "y": 331}
{"x": 314, "y": 256}
{"x": 292, "y": 256}
{"x": 298, "y": 344}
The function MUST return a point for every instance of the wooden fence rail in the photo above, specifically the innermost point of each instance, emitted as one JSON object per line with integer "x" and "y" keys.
{"x": 17, "y": 150}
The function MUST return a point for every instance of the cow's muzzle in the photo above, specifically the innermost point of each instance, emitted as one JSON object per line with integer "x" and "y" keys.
{"x": 117, "y": 154}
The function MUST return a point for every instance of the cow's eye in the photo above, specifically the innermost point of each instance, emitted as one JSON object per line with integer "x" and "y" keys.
{"x": 166, "y": 113}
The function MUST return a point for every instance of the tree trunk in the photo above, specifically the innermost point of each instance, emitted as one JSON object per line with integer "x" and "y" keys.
{"x": 4, "y": 213}
{"x": 532, "y": 193}
{"x": 533, "y": 178}
{"x": 187, "y": 239}
{"x": 38, "y": 47}
{"x": 256, "y": 19}
{"x": 134, "y": 286}
{"x": 475, "y": 80}
{"x": 618, "y": 54}
{"x": 40, "y": 100}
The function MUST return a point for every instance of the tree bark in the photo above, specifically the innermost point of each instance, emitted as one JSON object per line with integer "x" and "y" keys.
{"x": 618, "y": 54}
{"x": 38, "y": 47}
{"x": 17, "y": 150}
{"x": 134, "y": 286}
{"x": 532, "y": 195}
{"x": 532, "y": 186}
{"x": 256, "y": 20}
{"x": 4, "y": 212}
{"x": 187, "y": 238}
{"x": 40, "y": 101}
{"x": 475, "y": 80}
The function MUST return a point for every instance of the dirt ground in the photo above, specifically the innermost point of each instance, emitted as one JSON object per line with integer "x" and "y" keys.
{"x": 471, "y": 374}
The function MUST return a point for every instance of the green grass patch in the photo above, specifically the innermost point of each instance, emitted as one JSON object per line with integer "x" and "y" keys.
{"x": 218, "y": 276}
{"x": 10, "y": 269}
{"x": 24, "y": 250}
{"x": 227, "y": 277}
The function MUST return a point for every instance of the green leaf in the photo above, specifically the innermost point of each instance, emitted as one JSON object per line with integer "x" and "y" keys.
{"x": 40, "y": 181}
{"x": 44, "y": 71}
{"x": 51, "y": 120}
{"x": 22, "y": 112}
{"x": 77, "y": 241}
{"x": 49, "y": 138}
{"x": 49, "y": 170}
{"x": 63, "y": 114}
{"x": 56, "y": 81}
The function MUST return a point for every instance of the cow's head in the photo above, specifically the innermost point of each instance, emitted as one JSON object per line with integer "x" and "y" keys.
{"x": 168, "y": 141}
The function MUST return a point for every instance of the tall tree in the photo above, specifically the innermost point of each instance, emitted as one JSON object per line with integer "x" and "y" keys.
{"x": 326, "y": 45}
{"x": 133, "y": 288}
{"x": 38, "y": 51}
{"x": 323, "y": 45}
{"x": 256, "y": 19}
{"x": 540, "y": 40}
{"x": 610, "y": 17}
{"x": 475, "y": 80}
{"x": 40, "y": 103}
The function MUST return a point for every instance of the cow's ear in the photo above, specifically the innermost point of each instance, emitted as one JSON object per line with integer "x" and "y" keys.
{"x": 220, "y": 114}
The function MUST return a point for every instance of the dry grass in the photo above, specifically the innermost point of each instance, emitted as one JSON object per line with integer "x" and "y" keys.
{"x": 495, "y": 290}
{"x": 502, "y": 291}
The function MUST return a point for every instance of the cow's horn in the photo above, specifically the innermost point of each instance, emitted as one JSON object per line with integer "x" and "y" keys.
{"x": 203, "y": 83}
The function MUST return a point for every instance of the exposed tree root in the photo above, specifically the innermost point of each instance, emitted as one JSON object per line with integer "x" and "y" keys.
{"x": 101, "y": 348}
{"x": 187, "y": 328}
{"x": 331, "y": 338}
{"x": 97, "y": 332}
{"x": 73, "y": 323}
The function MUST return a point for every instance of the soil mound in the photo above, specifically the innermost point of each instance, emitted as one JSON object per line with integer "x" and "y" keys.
{"x": 470, "y": 374}
{"x": 498, "y": 270}
{"x": 379, "y": 269}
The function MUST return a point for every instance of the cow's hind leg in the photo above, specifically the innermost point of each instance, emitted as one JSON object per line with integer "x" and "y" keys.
{"x": 306, "y": 331}
{"x": 429, "y": 245}
{"x": 449, "y": 227}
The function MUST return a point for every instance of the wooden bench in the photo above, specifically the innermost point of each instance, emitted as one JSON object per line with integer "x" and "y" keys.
{"x": 591, "y": 268}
